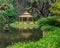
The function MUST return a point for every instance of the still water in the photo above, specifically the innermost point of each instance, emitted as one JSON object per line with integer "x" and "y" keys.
{"x": 16, "y": 35}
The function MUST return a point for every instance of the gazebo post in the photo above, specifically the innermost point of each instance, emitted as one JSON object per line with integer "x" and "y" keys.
{"x": 22, "y": 20}
{"x": 27, "y": 20}
{"x": 19, "y": 20}
{"x": 32, "y": 20}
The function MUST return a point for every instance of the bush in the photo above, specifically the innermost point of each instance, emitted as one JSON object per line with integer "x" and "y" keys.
{"x": 50, "y": 41}
{"x": 10, "y": 13}
{"x": 8, "y": 9}
{"x": 55, "y": 8}
{"x": 24, "y": 26}
{"x": 49, "y": 21}
{"x": 48, "y": 28}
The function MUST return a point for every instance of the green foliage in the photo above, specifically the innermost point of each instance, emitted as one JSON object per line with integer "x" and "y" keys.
{"x": 8, "y": 10}
{"x": 24, "y": 26}
{"x": 49, "y": 21}
{"x": 6, "y": 1}
{"x": 48, "y": 28}
{"x": 50, "y": 41}
{"x": 55, "y": 8}
{"x": 10, "y": 13}
{"x": 5, "y": 4}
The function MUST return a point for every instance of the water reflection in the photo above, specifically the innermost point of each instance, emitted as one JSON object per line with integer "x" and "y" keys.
{"x": 19, "y": 35}
{"x": 31, "y": 33}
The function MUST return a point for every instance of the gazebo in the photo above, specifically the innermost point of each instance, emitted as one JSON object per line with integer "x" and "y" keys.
{"x": 27, "y": 16}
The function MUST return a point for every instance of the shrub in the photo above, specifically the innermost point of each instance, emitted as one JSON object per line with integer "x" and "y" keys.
{"x": 24, "y": 26}
{"x": 49, "y": 21}
{"x": 55, "y": 8}
{"x": 50, "y": 41}
{"x": 48, "y": 28}
{"x": 10, "y": 13}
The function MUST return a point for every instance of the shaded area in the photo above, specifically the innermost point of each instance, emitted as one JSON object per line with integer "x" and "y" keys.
{"x": 15, "y": 35}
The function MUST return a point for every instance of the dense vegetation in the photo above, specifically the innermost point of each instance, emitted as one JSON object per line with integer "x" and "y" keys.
{"x": 47, "y": 21}
{"x": 51, "y": 40}
{"x": 56, "y": 8}
{"x": 24, "y": 26}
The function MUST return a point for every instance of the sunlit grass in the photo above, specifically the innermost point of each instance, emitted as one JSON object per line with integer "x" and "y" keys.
{"x": 24, "y": 26}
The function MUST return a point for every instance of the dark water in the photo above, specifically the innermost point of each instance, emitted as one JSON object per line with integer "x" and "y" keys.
{"x": 16, "y": 35}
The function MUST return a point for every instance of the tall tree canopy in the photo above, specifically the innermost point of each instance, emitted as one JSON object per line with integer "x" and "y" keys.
{"x": 56, "y": 7}
{"x": 7, "y": 9}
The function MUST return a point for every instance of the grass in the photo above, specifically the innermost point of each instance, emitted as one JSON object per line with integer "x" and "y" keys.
{"x": 47, "y": 28}
{"x": 24, "y": 26}
{"x": 50, "y": 41}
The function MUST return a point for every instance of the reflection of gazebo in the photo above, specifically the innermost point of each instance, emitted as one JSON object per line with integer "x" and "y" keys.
{"x": 27, "y": 16}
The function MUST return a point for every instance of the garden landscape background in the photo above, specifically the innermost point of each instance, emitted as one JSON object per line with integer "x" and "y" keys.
{"x": 29, "y": 23}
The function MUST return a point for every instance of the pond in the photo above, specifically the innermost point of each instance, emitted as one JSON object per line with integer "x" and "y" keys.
{"x": 19, "y": 35}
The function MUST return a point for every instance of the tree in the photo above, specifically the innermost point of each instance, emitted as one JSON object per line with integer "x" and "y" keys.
{"x": 55, "y": 8}
{"x": 7, "y": 8}
{"x": 40, "y": 8}
{"x": 7, "y": 11}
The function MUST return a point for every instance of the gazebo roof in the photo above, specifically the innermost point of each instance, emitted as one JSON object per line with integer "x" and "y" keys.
{"x": 26, "y": 14}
